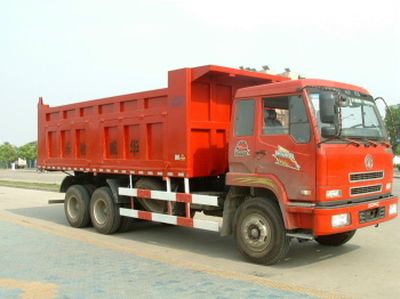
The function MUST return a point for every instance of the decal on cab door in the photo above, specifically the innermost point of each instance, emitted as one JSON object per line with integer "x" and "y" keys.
{"x": 285, "y": 158}
{"x": 241, "y": 149}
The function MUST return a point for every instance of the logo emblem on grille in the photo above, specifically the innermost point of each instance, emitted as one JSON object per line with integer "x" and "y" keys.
{"x": 368, "y": 162}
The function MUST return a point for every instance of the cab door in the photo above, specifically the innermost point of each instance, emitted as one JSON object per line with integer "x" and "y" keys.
{"x": 285, "y": 147}
{"x": 242, "y": 145}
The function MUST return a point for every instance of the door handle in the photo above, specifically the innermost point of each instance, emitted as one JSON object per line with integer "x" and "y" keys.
{"x": 261, "y": 152}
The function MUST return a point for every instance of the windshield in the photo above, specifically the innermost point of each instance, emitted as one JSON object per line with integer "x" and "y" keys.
{"x": 358, "y": 118}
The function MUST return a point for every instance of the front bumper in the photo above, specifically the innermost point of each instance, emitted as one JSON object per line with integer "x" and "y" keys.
{"x": 361, "y": 215}
{"x": 318, "y": 219}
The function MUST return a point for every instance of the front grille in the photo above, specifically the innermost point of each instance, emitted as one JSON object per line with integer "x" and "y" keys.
{"x": 371, "y": 215}
{"x": 365, "y": 190}
{"x": 366, "y": 176}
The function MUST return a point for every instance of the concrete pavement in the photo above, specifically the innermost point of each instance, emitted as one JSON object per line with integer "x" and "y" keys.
{"x": 78, "y": 269}
{"x": 42, "y": 257}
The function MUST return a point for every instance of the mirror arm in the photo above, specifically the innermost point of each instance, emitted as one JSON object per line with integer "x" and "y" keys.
{"x": 338, "y": 124}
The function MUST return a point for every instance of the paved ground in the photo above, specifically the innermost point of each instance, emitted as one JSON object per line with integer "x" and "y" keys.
{"x": 42, "y": 257}
{"x": 77, "y": 269}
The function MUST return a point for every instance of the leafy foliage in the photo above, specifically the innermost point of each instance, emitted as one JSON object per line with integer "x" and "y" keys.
{"x": 28, "y": 151}
{"x": 392, "y": 122}
{"x": 8, "y": 154}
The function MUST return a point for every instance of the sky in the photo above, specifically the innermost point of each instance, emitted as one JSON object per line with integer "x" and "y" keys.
{"x": 74, "y": 50}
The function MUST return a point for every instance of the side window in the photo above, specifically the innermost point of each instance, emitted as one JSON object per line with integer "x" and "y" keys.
{"x": 244, "y": 119}
{"x": 299, "y": 125}
{"x": 275, "y": 116}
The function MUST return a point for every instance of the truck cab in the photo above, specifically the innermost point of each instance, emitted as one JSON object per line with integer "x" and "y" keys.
{"x": 319, "y": 151}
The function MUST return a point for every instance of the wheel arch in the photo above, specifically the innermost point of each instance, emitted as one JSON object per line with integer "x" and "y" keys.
{"x": 67, "y": 182}
{"x": 114, "y": 184}
{"x": 262, "y": 185}
{"x": 79, "y": 178}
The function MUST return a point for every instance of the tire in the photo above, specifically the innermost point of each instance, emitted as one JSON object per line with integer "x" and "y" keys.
{"x": 127, "y": 223}
{"x": 335, "y": 239}
{"x": 76, "y": 206}
{"x": 104, "y": 212}
{"x": 90, "y": 188}
{"x": 151, "y": 205}
{"x": 259, "y": 232}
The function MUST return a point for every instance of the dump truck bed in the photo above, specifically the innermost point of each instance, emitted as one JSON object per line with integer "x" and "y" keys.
{"x": 178, "y": 131}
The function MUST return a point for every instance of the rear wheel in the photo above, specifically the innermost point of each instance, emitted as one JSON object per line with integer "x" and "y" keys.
{"x": 335, "y": 239}
{"x": 76, "y": 206}
{"x": 260, "y": 233}
{"x": 104, "y": 212}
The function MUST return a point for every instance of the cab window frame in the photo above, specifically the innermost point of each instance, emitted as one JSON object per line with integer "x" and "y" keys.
{"x": 284, "y": 103}
{"x": 243, "y": 128}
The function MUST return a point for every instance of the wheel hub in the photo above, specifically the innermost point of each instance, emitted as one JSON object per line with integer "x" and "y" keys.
{"x": 256, "y": 232}
{"x": 73, "y": 207}
{"x": 100, "y": 211}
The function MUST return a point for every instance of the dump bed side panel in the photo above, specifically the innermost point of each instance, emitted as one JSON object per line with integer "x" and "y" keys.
{"x": 119, "y": 134}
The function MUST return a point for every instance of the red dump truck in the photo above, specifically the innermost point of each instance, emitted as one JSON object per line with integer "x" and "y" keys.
{"x": 277, "y": 159}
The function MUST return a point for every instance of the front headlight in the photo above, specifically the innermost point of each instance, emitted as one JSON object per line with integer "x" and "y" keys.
{"x": 393, "y": 209}
{"x": 340, "y": 220}
{"x": 333, "y": 193}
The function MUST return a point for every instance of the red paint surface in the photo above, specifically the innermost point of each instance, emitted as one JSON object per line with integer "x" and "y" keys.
{"x": 142, "y": 193}
{"x": 183, "y": 197}
{"x": 185, "y": 221}
{"x": 145, "y": 215}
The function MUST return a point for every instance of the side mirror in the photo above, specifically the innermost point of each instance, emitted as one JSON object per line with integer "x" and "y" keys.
{"x": 328, "y": 132}
{"x": 327, "y": 106}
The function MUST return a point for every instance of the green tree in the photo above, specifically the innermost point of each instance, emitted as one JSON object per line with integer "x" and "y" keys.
{"x": 8, "y": 154}
{"x": 392, "y": 122}
{"x": 28, "y": 151}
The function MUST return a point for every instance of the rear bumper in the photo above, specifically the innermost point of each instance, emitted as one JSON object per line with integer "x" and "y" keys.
{"x": 361, "y": 215}
{"x": 318, "y": 219}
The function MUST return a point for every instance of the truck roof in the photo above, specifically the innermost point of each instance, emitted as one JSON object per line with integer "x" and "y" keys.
{"x": 293, "y": 86}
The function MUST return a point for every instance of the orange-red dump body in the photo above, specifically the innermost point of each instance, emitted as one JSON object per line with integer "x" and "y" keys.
{"x": 180, "y": 131}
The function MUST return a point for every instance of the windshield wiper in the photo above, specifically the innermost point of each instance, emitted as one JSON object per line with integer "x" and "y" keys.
{"x": 369, "y": 141}
{"x": 385, "y": 143}
{"x": 377, "y": 142}
{"x": 356, "y": 142}
{"x": 349, "y": 140}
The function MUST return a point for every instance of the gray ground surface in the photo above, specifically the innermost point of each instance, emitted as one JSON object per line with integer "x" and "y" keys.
{"x": 40, "y": 252}
{"x": 32, "y": 176}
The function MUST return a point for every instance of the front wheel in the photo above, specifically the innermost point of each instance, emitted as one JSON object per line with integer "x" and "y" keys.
{"x": 104, "y": 212}
{"x": 260, "y": 233}
{"x": 335, "y": 239}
